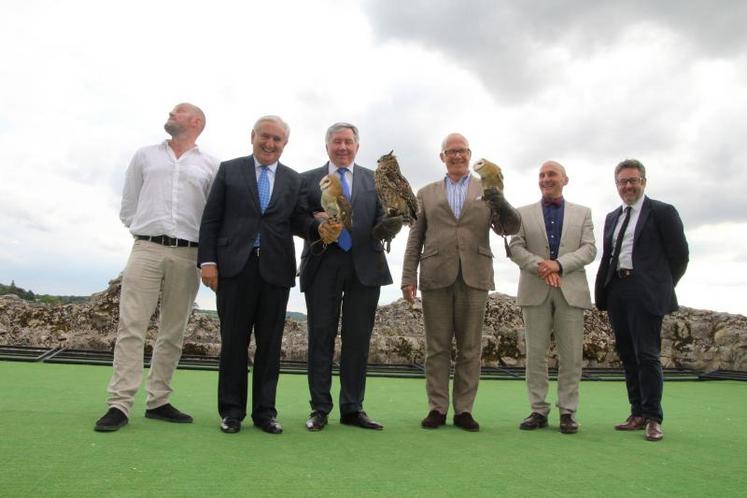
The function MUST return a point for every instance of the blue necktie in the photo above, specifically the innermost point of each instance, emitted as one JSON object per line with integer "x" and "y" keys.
{"x": 263, "y": 185}
{"x": 345, "y": 240}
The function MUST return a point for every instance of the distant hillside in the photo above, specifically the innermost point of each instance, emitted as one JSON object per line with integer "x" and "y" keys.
{"x": 293, "y": 315}
{"x": 29, "y": 295}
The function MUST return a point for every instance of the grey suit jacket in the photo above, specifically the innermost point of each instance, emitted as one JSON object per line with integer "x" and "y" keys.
{"x": 577, "y": 249}
{"x": 368, "y": 253}
{"x": 448, "y": 243}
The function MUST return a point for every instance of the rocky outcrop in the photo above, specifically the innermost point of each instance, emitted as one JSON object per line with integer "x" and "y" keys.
{"x": 694, "y": 339}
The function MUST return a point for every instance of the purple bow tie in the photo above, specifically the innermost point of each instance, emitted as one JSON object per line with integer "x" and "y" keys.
{"x": 552, "y": 202}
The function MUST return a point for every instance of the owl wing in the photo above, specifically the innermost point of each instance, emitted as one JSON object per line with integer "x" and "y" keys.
{"x": 346, "y": 212}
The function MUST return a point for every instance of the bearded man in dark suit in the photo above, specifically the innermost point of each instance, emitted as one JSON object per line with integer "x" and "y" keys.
{"x": 645, "y": 255}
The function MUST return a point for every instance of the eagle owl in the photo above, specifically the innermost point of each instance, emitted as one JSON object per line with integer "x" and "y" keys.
{"x": 334, "y": 202}
{"x": 394, "y": 190}
{"x": 490, "y": 174}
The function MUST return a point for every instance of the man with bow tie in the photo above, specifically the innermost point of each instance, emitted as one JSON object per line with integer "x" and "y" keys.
{"x": 554, "y": 244}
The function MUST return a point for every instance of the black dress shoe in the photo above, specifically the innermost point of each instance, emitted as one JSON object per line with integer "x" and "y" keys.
{"x": 434, "y": 420}
{"x": 533, "y": 421}
{"x": 169, "y": 414}
{"x": 568, "y": 424}
{"x": 317, "y": 421}
{"x": 270, "y": 426}
{"x": 360, "y": 419}
{"x": 465, "y": 421}
{"x": 111, "y": 421}
{"x": 230, "y": 425}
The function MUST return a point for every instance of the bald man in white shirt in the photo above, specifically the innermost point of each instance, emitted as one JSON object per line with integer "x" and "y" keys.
{"x": 166, "y": 187}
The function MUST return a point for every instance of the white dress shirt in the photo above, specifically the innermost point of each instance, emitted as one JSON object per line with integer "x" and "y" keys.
{"x": 625, "y": 261}
{"x": 165, "y": 195}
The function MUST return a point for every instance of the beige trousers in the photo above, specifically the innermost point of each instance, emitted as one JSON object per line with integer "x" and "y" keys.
{"x": 554, "y": 316}
{"x": 152, "y": 269}
{"x": 457, "y": 312}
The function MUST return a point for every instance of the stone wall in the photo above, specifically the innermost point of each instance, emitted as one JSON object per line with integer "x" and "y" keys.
{"x": 694, "y": 339}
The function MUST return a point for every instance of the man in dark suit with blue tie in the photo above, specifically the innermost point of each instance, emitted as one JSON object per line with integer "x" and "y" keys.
{"x": 246, "y": 255}
{"x": 645, "y": 255}
{"x": 345, "y": 275}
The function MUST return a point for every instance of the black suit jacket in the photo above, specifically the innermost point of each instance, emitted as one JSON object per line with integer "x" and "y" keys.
{"x": 368, "y": 253}
{"x": 660, "y": 256}
{"x": 232, "y": 219}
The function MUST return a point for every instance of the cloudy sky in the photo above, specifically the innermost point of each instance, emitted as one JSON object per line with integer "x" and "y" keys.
{"x": 587, "y": 83}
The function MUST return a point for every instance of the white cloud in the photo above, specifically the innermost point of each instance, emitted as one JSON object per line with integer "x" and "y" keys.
{"x": 583, "y": 82}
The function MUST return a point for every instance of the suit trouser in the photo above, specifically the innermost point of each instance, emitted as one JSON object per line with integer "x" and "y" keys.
{"x": 245, "y": 302}
{"x": 336, "y": 286}
{"x": 566, "y": 323}
{"x": 152, "y": 270}
{"x": 638, "y": 343}
{"x": 456, "y": 311}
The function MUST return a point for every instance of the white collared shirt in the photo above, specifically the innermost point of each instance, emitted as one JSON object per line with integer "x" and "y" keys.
{"x": 626, "y": 250}
{"x": 165, "y": 195}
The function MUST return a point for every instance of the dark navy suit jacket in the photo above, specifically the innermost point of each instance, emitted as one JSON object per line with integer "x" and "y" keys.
{"x": 368, "y": 253}
{"x": 660, "y": 256}
{"x": 232, "y": 219}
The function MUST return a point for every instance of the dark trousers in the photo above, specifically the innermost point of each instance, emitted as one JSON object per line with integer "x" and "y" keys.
{"x": 638, "y": 343}
{"x": 247, "y": 302}
{"x": 336, "y": 288}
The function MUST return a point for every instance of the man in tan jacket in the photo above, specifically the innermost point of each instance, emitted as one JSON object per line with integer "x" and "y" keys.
{"x": 554, "y": 244}
{"x": 450, "y": 243}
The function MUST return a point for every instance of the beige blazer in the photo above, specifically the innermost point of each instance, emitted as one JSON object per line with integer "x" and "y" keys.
{"x": 577, "y": 249}
{"x": 439, "y": 243}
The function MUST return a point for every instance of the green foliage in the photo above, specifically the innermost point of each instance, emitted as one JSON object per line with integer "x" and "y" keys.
{"x": 28, "y": 295}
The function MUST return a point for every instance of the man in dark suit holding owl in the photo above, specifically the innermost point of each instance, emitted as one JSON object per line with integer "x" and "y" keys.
{"x": 645, "y": 255}
{"x": 344, "y": 276}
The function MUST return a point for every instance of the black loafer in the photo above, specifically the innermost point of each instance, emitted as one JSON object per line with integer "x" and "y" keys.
{"x": 360, "y": 419}
{"x": 270, "y": 426}
{"x": 433, "y": 420}
{"x": 465, "y": 421}
{"x": 111, "y": 421}
{"x": 568, "y": 424}
{"x": 230, "y": 425}
{"x": 533, "y": 421}
{"x": 168, "y": 413}
{"x": 317, "y": 421}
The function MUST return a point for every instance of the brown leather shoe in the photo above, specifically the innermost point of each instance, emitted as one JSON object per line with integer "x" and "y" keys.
{"x": 633, "y": 423}
{"x": 434, "y": 420}
{"x": 653, "y": 431}
{"x": 465, "y": 421}
{"x": 533, "y": 421}
{"x": 568, "y": 424}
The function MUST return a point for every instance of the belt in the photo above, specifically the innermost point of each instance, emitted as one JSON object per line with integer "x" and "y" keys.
{"x": 624, "y": 273}
{"x": 165, "y": 240}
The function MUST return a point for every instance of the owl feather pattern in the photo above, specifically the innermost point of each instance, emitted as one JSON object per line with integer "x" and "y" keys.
{"x": 334, "y": 202}
{"x": 394, "y": 190}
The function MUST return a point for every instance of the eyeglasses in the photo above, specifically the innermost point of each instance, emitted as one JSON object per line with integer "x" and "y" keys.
{"x": 633, "y": 181}
{"x": 454, "y": 152}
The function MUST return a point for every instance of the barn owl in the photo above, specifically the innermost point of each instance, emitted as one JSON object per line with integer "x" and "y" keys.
{"x": 490, "y": 174}
{"x": 334, "y": 203}
{"x": 394, "y": 190}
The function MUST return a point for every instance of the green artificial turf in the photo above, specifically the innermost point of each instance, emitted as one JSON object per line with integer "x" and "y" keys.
{"x": 48, "y": 446}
